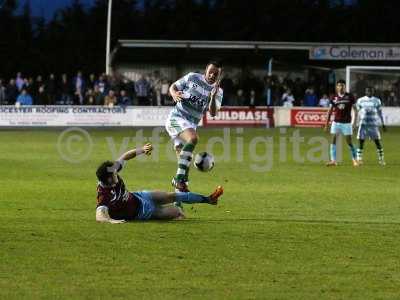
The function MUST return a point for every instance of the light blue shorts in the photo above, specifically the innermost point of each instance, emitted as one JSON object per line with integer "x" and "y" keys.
{"x": 365, "y": 131}
{"x": 146, "y": 207}
{"x": 343, "y": 128}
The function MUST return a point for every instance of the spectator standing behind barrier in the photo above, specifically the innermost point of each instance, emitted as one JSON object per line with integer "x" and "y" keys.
{"x": 392, "y": 100}
{"x": 239, "y": 99}
{"x": 129, "y": 87}
{"x": 89, "y": 97}
{"x": 324, "y": 101}
{"x": 91, "y": 82}
{"x": 165, "y": 92}
{"x": 227, "y": 86}
{"x": 126, "y": 85}
{"x": 98, "y": 96}
{"x": 28, "y": 85}
{"x": 396, "y": 87}
{"x": 110, "y": 100}
{"x": 360, "y": 86}
{"x": 103, "y": 85}
{"x": 124, "y": 99}
{"x": 113, "y": 84}
{"x": 19, "y": 81}
{"x": 78, "y": 96}
{"x": 3, "y": 97}
{"x": 24, "y": 98}
{"x": 298, "y": 91}
{"x": 268, "y": 93}
{"x": 252, "y": 98}
{"x": 288, "y": 99}
{"x": 51, "y": 88}
{"x": 12, "y": 92}
{"x": 33, "y": 88}
{"x": 36, "y": 85}
{"x": 157, "y": 90}
{"x": 65, "y": 98}
{"x": 42, "y": 97}
{"x": 78, "y": 83}
{"x": 310, "y": 98}
{"x": 142, "y": 89}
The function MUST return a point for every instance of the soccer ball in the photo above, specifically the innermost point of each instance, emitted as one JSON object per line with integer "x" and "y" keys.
{"x": 204, "y": 161}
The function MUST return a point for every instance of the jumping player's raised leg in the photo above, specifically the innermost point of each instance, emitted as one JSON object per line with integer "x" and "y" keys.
{"x": 184, "y": 136}
{"x": 190, "y": 138}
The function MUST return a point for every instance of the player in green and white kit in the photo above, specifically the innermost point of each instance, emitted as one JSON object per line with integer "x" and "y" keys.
{"x": 193, "y": 94}
{"x": 370, "y": 117}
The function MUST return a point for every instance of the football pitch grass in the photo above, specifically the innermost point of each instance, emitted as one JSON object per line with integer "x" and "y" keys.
{"x": 297, "y": 231}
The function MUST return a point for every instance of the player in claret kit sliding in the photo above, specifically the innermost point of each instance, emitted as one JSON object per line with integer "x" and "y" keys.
{"x": 193, "y": 94}
{"x": 116, "y": 205}
{"x": 341, "y": 105}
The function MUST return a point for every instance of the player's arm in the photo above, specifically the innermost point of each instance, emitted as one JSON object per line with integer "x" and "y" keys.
{"x": 354, "y": 109}
{"x": 103, "y": 216}
{"x": 146, "y": 149}
{"x": 176, "y": 89}
{"x": 328, "y": 117}
{"x": 176, "y": 94}
{"x": 380, "y": 114}
{"x": 213, "y": 104}
{"x": 355, "y": 116}
{"x": 215, "y": 98}
{"x": 120, "y": 163}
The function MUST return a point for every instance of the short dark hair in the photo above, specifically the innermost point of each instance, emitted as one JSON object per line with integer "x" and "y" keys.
{"x": 216, "y": 63}
{"x": 341, "y": 81}
{"x": 103, "y": 172}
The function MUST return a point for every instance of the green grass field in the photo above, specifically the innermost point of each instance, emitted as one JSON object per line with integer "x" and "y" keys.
{"x": 299, "y": 231}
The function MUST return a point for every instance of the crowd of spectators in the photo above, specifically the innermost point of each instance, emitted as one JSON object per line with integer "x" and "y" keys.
{"x": 386, "y": 87}
{"x": 79, "y": 90}
{"x": 152, "y": 90}
{"x": 250, "y": 90}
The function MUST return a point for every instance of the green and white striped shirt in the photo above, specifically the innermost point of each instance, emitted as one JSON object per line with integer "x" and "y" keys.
{"x": 196, "y": 97}
{"x": 369, "y": 110}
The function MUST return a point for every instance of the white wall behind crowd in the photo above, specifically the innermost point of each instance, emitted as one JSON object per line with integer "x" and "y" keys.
{"x": 95, "y": 116}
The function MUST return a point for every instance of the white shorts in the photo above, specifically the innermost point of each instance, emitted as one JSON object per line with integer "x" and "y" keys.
{"x": 343, "y": 128}
{"x": 175, "y": 125}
